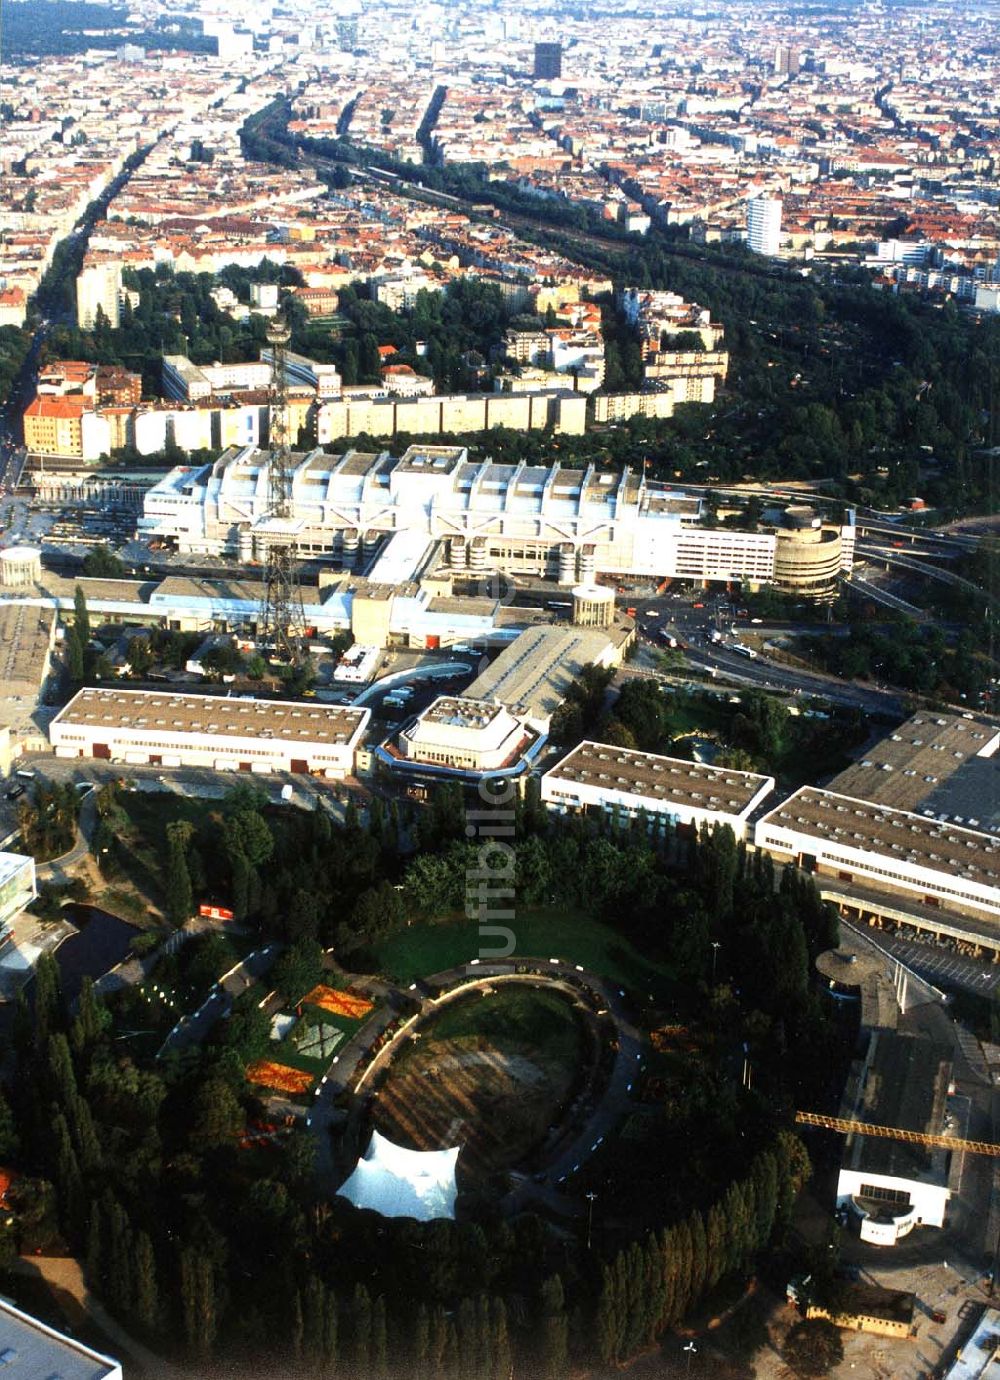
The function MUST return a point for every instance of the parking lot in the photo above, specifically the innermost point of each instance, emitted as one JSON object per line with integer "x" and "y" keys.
{"x": 941, "y": 964}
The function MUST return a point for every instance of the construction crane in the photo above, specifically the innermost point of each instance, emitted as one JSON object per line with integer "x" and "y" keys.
{"x": 281, "y": 624}
{"x": 865, "y": 1128}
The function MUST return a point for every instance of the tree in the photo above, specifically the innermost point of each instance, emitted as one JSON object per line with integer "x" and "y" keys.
{"x": 299, "y": 968}
{"x": 10, "y": 1141}
{"x": 138, "y": 655}
{"x": 361, "y": 1330}
{"x": 147, "y": 1302}
{"x": 246, "y": 832}
{"x": 91, "y": 1020}
{"x": 216, "y": 1115}
{"x": 178, "y": 879}
{"x": 50, "y": 1012}
{"x": 553, "y": 1338}
{"x": 813, "y": 1347}
{"x": 198, "y": 1305}
{"x": 102, "y": 563}
{"x": 380, "y": 1341}
{"x": 81, "y": 617}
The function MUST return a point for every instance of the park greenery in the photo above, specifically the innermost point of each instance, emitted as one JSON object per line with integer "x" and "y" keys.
{"x": 176, "y": 314}
{"x": 914, "y": 656}
{"x": 46, "y": 820}
{"x": 57, "y": 27}
{"x": 14, "y": 346}
{"x": 750, "y": 731}
{"x": 207, "y": 1239}
{"x": 458, "y": 330}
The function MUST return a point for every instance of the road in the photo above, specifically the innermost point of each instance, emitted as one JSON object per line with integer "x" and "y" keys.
{"x": 206, "y": 783}
{"x": 56, "y": 870}
{"x": 689, "y": 618}
{"x": 191, "y": 1030}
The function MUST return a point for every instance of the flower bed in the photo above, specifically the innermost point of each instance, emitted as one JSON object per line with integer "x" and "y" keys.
{"x": 338, "y": 1003}
{"x": 280, "y": 1077}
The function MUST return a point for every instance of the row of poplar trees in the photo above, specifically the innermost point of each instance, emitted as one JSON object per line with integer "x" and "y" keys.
{"x": 650, "y": 1286}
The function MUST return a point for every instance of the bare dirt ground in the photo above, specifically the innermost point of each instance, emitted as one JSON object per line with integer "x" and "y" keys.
{"x": 495, "y": 1103}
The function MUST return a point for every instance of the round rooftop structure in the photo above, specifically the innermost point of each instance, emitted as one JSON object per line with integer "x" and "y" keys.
{"x": 798, "y": 516}
{"x": 20, "y": 566}
{"x": 842, "y": 968}
{"x": 593, "y": 606}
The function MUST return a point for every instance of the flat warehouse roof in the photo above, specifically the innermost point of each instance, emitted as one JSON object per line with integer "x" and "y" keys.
{"x": 11, "y": 864}
{"x": 905, "y": 1085}
{"x": 250, "y": 591}
{"x": 532, "y": 674}
{"x": 892, "y": 834}
{"x": 909, "y": 764}
{"x": 38, "y": 1350}
{"x": 161, "y": 712}
{"x": 661, "y": 778}
{"x": 24, "y": 643}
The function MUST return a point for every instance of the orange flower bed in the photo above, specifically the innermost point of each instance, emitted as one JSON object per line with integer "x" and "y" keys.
{"x": 279, "y": 1076}
{"x": 338, "y": 1003}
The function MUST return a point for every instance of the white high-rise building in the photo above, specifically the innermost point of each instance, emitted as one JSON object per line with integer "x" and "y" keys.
{"x": 764, "y": 225}
{"x": 98, "y": 285}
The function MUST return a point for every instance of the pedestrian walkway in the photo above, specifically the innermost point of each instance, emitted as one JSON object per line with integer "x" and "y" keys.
{"x": 64, "y": 1276}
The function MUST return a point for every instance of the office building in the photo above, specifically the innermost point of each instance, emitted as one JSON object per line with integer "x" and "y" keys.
{"x": 548, "y": 61}
{"x": 17, "y": 888}
{"x": 764, "y": 225}
{"x": 156, "y": 728}
{"x": 786, "y": 61}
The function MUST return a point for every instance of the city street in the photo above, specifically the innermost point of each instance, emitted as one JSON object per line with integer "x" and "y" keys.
{"x": 677, "y": 616}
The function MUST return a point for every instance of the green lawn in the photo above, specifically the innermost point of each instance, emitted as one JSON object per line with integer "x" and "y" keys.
{"x": 424, "y": 949}
{"x": 514, "y": 1017}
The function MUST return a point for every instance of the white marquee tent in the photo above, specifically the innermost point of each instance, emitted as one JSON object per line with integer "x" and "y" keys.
{"x": 397, "y": 1182}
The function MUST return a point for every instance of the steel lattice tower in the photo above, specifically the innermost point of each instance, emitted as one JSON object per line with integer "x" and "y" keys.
{"x": 282, "y": 620}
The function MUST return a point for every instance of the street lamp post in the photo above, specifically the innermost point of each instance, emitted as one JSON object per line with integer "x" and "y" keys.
{"x": 716, "y": 946}
{"x": 691, "y": 1350}
{"x": 591, "y": 1196}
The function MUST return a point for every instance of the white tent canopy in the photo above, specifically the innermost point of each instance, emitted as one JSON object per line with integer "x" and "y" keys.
{"x": 397, "y": 1182}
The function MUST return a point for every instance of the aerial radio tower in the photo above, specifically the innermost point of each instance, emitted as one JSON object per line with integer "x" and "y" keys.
{"x": 282, "y": 620}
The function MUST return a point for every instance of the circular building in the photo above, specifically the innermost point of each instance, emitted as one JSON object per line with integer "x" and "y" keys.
{"x": 593, "y": 606}
{"x": 20, "y": 566}
{"x": 844, "y": 972}
{"x": 807, "y": 555}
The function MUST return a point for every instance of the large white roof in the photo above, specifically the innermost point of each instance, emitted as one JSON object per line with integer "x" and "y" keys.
{"x": 396, "y": 1182}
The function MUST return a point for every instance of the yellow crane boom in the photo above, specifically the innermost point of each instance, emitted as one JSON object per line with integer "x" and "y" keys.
{"x": 865, "y": 1128}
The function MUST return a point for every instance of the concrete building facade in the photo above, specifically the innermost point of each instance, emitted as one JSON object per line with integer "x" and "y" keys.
{"x": 521, "y": 519}
{"x": 17, "y": 888}
{"x": 666, "y": 790}
{"x": 764, "y": 225}
{"x": 141, "y": 727}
